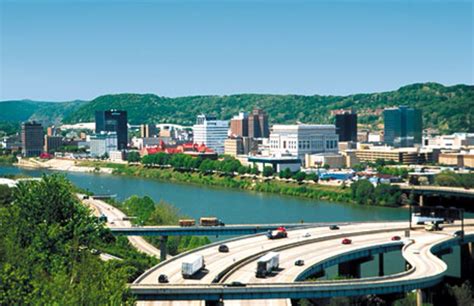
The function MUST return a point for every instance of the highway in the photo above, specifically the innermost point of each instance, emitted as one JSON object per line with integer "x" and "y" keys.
{"x": 430, "y": 189}
{"x": 115, "y": 220}
{"x": 323, "y": 244}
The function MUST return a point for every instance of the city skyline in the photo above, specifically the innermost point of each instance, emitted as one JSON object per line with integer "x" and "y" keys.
{"x": 83, "y": 50}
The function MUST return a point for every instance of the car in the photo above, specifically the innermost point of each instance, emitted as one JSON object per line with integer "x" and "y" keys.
{"x": 162, "y": 279}
{"x": 458, "y": 233}
{"x": 306, "y": 235}
{"x": 236, "y": 284}
{"x": 112, "y": 222}
{"x": 299, "y": 262}
{"x": 346, "y": 241}
{"x": 333, "y": 227}
{"x": 396, "y": 238}
{"x": 223, "y": 248}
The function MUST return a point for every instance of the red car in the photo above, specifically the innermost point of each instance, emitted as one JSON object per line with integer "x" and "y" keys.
{"x": 396, "y": 238}
{"x": 346, "y": 241}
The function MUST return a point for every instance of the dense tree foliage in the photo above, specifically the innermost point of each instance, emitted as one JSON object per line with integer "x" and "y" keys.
{"x": 133, "y": 157}
{"x": 452, "y": 179}
{"x": 363, "y": 192}
{"x": 446, "y": 108}
{"x": 46, "y": 238}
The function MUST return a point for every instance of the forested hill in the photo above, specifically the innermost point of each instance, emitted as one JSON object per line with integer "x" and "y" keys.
{"x": 447, "y": 108}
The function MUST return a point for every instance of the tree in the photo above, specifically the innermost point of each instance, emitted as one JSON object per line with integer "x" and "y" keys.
{"x": 362, "y": 192}
{"x": 6, "y": 195}
{"x": 286, "y": 173}
{"x": 312, "y": 176}
{"x": 141, "y": 208}
{"x": 267, "y": 171}
{"x": 299, "y": 176}
{"x": 133, "y": 157}
{"x": 462, "y": 294}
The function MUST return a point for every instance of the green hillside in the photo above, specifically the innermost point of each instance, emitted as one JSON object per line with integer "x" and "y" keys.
{"x": 447, "y": 108}
{"x": 45, "y": 112}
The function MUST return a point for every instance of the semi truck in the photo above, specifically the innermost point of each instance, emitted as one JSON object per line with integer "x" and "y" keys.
{"x": 192, "y": 264}
{"x": 278, "y": 233}
{"x": 210, "y": 221}
{"x": 266, "y": 264}
{"x": 187, "y": 222}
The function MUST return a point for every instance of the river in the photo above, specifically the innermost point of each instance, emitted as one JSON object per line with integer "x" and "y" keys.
{"x": 234, "y": 206}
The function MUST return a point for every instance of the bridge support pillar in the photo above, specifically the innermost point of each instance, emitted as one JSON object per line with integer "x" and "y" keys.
{"x": 381, "y": 265}
{"x": 163, "y": 248}
{"x": 214, "y": 303}
{"x": 467, "y": 260}
{"x": 419, "y": 297}
{"x": 350, "y": 269}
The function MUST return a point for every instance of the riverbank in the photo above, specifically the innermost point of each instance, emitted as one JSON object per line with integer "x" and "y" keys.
{"x": 242, "y": 182}
{"x": 56, "y": 164}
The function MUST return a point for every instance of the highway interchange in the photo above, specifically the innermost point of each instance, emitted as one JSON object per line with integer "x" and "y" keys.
{"x": 321, "y": 245}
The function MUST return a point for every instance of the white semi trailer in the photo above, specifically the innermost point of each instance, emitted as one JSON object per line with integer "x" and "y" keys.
{"x": 267, "y": 263}
{"x": 192, "y": 264}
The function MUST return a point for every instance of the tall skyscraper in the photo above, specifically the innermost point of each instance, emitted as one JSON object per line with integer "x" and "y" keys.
{"x": 239, "y": 125}
{"x": 402, "y": 126}
{"x": 258, "y": 124}
{"x": 113, "y": 121}
{"x": 346, "y": 126}
{"x": 32, "y": 139}
{"x": 211, "y": 132}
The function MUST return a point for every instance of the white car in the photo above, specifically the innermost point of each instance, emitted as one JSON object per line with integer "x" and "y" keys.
{"x": 306, "y": 235}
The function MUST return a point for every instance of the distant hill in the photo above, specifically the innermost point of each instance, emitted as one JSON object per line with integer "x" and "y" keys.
{"x": 44, "y": 112}
{"x": 449, "y": 109}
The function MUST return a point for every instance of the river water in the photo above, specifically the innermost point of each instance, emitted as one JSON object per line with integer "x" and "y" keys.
{"x": 234, "y": 206}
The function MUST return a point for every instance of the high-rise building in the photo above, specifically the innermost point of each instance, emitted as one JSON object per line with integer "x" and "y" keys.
{"x": 301, "y": 139}
{"x": 346, "y": 126}
{"x": 258, "y": 124}
{"x": 211, "y": 132}
{"x": 52, "y": 143}
{"x": 239, "y": 125}
{"x": 113, "y": 121}
{"x": 103, "y": 143}
{"x": 31, "y": 139}
{"x": 402, "y": 126}
{"x": 148, "y": 130}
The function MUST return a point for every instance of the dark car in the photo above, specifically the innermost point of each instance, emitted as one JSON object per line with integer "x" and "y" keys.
{"x": 334, "y": 227}
{"x": 223, "y": 248}
{"x": 458, "y": 233}
{"x": 162, "y": 279}
{"x": 396, "y": 238}
{"x": 299, "y": 262}
{"x": 236, "y": 284}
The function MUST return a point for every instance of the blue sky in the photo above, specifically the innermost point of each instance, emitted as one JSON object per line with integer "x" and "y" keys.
{"x": 64, "y": 50}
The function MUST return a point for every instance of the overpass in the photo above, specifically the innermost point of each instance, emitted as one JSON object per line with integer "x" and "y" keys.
{"x": 438, "y": 190}
{"x": 320, "y": 252}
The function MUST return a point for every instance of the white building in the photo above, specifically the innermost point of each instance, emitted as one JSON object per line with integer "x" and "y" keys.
{"x": 145, "y": 142}
{"x": 453, "y": 141}
{"x": 103, "y": 143}
{"x": 211, "y": 132}
{"x": 301, "y": 139}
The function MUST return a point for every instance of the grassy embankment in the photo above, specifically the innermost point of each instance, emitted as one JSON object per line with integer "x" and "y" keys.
{"x": 313, "y": 191}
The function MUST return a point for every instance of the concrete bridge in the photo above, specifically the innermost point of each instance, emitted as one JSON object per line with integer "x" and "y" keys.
{"x": 319, "y": 251}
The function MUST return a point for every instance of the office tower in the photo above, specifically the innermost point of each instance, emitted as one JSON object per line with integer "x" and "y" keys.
{"x": 103, "y": 143}
{"x": 239, "y": 125}
{"x": 402, "y": 126}
{"x": 258, "y": 124}
{"x": 211, "y": 132}
{"x": 52, "y": 143}
{"x": 346, "y": 126}
{"x": 31, "y": 139}
{"x": 148, "y": 130}
{"x": 113, "y": 121}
